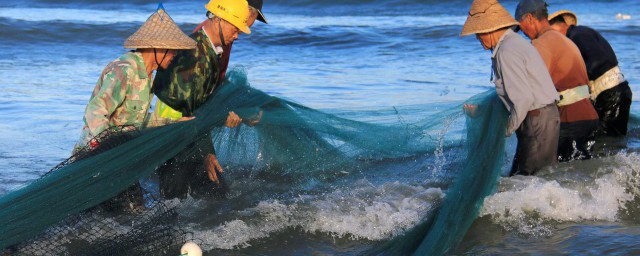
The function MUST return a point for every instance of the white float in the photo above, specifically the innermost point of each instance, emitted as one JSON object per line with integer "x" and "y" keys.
{"x": 190, "y": 249}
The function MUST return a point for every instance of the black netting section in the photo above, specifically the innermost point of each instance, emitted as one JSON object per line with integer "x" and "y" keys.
{"x": 135, "y": 222}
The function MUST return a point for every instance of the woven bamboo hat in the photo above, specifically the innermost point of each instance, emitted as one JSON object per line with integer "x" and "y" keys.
{"x": 569, "y": 17}
{"x": 486, "y": 16}
{"x": 159, "y": 32}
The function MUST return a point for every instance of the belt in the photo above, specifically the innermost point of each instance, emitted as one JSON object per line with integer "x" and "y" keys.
{"x": 606, "y": 81}
{"x": 573, "y": 95}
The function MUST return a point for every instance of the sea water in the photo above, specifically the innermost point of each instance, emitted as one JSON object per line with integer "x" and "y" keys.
{"x": 361, "y": 57}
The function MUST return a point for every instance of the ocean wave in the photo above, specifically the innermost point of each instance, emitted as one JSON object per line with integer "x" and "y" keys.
{"x": 358, "y": 2}
{"x": 273, "y": 2}
{"x": 347, "y": 31}
{"x": 364, "y": 212}
{"x": 626, "y": 31}
{"x": 573, "y": 193}
{"x": 296, "y": 22}
{"x": 88, "y": 1}
{"x": 86, "y": 16}
{"x": 63, "y": 32}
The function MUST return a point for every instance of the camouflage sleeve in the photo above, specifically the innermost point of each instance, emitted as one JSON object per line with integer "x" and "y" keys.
{"x": 190, "y": 78}
{"x": 174, "y": 85}
{"x": 110, "y": 95}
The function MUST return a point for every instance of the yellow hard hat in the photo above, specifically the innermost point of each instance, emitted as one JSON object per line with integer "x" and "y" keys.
{"x": 235, "y": 12}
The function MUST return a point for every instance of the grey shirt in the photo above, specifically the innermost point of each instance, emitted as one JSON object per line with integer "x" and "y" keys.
{"x": 522, "y": 80}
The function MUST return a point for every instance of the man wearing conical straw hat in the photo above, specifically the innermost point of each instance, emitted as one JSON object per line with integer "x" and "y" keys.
{"x": 522, "y": 83}
{"x": 186, "y": 84}
{"x": 610, "y": 92}
{"x": 123, "y": 94}
{"x": 578, "y": 117}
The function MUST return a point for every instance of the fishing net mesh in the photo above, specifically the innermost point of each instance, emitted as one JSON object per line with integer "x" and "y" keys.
{"x": 106, "y": 200}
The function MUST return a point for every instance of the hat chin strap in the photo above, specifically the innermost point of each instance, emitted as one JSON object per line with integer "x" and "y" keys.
{"x": 155, "y": 55}
{"x": 220, "y": 33}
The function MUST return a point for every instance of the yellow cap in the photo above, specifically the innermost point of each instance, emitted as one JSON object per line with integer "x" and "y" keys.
{"x": 235, "y": 12}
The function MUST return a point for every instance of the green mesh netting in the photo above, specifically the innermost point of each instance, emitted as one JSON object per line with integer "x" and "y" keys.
{"x": 300, "y": 148}
{"x": 484, "y": 151}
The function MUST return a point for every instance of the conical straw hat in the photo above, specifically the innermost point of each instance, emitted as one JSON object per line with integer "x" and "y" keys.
{"x": 569, "y": 17}
{"x": 160, "y": 32}
{"x": 486, "y": 16}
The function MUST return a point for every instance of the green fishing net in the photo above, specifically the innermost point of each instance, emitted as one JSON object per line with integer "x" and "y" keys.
{"x": 297, "y": 149}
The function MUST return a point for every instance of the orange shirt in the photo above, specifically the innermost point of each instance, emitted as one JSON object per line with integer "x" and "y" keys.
{"x": 568, "y": 70}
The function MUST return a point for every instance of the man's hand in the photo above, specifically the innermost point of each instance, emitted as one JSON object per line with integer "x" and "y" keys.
{"x": 254, "y": 120}
{"x": 213, "y": 167}
{"x": 186, "y": 118}
{"x": 470, "y": 109}
{"x": 233, "y": 120}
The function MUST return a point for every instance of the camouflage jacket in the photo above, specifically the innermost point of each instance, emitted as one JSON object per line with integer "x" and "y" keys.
{"x": 122, "y": 96}
{"x": 191, "y": 77}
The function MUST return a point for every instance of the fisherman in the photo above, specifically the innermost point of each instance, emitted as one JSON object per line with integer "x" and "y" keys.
{"x": 522, "y": 83}
{"x": 255, "y": 8}
{"x": 123, "y": 93}
{"x": 579, "y": 120}
{"x": 609, "y": 89}
{"x": 163, "y": 111}
{"x": 186, "y": 84}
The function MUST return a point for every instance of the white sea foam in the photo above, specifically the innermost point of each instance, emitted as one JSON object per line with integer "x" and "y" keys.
{"x": 530, "y": 204}
{"x": 272, "y": 216}
{"x": 365, "y": 212}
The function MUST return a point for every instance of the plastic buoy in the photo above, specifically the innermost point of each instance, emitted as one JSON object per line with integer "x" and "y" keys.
{"x": 190, "y": 249}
